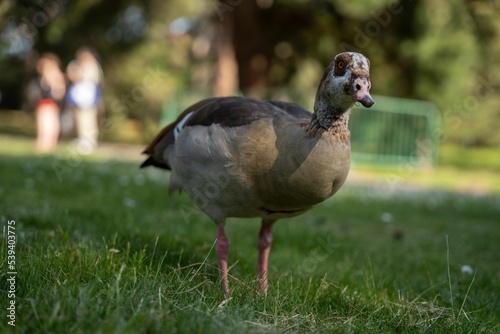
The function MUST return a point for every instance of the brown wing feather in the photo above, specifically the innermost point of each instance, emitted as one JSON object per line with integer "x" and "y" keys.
{"x": 292, "y": 109}
{"x": 225, "y": 111}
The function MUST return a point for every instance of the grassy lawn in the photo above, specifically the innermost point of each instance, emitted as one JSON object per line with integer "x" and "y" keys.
{"x": 101, "y": 248}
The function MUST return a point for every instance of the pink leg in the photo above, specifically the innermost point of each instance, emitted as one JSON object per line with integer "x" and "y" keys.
{"x": 222, "y": 248}
{"x": 264, "y": 246}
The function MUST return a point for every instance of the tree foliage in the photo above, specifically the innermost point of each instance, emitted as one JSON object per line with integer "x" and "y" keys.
{"x": 153, "y": 50}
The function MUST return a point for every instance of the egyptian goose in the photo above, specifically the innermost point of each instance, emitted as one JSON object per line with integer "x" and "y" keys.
{"x": 242, "y": 157}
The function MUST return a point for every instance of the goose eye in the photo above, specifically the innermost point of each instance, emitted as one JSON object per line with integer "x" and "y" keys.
{"x": 340, "y": 64}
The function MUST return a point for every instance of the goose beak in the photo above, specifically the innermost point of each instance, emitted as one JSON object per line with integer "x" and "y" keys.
{"x": 367, "y": 101}
{"x": 359, "y": 89}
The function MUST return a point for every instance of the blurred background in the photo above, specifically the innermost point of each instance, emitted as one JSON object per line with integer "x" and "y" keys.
{"x": 159, "y": 56}
{"x": 426, "y": 166}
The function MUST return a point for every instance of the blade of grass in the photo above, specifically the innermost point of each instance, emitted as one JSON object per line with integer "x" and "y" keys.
{"x": 467, "y": 296}
{"x": 449, "y": 275}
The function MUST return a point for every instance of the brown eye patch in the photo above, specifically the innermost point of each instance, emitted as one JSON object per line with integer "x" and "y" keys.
{"x": 341, "y": 62}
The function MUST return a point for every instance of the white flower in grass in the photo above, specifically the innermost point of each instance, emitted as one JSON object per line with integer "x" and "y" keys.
{"x": 466, "y": 269}
{"x": 129, "y": 202}
{"x": 386, "y": 217}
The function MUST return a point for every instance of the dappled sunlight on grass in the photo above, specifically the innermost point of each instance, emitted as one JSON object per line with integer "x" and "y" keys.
{"x": 471, "y": 180}
{"x": 468, "y": 175}
{"x": 480, "y": 158}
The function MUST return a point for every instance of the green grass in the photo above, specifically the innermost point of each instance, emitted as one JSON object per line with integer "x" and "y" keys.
{"x": 105, "y": 250}
{"x": 481, "y": 158}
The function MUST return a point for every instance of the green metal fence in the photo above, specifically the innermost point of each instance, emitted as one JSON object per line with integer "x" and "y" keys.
{"x": 392, "y": 131}
{"x": 395, "y": 130}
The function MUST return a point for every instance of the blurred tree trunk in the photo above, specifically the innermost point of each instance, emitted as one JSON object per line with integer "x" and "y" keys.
{"x": 226, "y": 75}
{"x": 252, "y": 47}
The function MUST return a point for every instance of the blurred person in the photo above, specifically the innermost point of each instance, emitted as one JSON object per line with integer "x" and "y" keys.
{"x": 48, "y": 90}
{"x": 84, "y": 96}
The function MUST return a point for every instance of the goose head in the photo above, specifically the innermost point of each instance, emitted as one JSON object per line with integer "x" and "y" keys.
{"x": 345, "y": 82}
